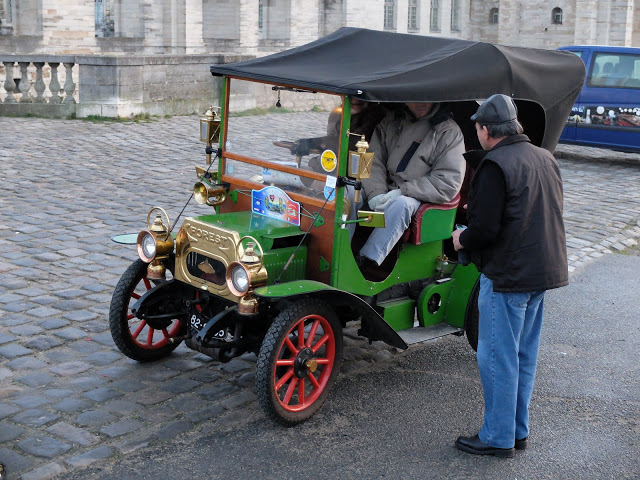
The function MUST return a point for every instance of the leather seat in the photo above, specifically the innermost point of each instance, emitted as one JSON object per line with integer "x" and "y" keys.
{"x": 438, "y": 221}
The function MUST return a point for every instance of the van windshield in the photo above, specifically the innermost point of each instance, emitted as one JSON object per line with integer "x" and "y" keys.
{"x": 615, "y": 70}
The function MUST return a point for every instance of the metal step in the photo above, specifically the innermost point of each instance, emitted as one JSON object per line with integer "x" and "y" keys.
{"x": 422, "y": 334}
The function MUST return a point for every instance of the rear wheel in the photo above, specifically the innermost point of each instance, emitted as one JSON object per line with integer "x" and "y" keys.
{"x": 472, "y": 317}
{"x": 299, "y": 361}
{"x": 139, "y": 339}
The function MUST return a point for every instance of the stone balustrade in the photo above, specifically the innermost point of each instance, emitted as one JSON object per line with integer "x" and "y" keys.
{"x": 112, "y": 86}
{"x": 27, "y": 92}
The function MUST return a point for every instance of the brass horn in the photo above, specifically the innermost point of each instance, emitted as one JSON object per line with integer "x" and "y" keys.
{"x": 209, "y": 195}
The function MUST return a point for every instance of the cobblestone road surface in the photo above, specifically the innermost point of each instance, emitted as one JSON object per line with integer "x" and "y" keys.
{"x": 68, "y": 398}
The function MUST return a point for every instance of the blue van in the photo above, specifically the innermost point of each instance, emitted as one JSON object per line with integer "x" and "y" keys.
{"x": 607, "y": 111}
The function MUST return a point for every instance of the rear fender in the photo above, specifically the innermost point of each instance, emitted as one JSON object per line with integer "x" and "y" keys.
{"x": 374, "y": 326}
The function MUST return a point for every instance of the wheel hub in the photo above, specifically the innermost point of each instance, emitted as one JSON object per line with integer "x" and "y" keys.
{"x": 304, "y": 363}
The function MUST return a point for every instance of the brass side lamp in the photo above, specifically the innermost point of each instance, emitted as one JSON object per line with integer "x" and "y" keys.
{"x": 360, "y": 163}
{"x": 210, "y": 129}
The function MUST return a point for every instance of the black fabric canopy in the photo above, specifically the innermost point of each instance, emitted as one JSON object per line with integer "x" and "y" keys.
{"x": 391, "y": 67}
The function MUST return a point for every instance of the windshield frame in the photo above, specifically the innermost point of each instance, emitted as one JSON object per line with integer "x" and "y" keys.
{"x": 332, "y": 205}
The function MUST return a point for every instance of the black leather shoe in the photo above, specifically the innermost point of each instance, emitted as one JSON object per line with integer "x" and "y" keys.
{"x": 476, "y": 446}
{"x": 521, "y": 444}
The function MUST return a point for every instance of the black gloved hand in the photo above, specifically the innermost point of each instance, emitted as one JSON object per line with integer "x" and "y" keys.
{"x": 301, "y": 147}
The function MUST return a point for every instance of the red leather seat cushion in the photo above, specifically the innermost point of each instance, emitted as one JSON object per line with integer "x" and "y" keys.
{"x": 412, "y": 234}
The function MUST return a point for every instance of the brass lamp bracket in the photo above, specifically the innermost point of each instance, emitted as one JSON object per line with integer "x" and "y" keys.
{"x": 249, "y": 250}
{"x": 159, "y": 225}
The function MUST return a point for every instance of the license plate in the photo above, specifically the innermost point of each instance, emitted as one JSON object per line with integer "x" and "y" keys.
{"x": 197, "y": 321}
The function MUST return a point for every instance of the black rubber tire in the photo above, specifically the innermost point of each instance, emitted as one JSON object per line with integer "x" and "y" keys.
{"x": 119, "y": 310}
{"x": 271, "y": 348}
{"x": 472, "y": 317}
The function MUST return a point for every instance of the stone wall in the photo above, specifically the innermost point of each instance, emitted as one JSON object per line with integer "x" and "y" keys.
{"x": 149, "y": 27}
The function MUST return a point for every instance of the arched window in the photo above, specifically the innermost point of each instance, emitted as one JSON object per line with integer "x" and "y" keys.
{"x": 390, "y": 14}
{"x": 556, "y": 16}
{"x": 493, "y": 15}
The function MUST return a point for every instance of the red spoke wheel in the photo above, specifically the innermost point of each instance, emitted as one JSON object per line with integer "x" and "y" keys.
{"x": 139, "y": 339}
{"x": 299, "y": 361}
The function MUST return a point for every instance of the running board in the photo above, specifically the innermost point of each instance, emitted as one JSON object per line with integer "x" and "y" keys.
{"x": 422, "y": 334}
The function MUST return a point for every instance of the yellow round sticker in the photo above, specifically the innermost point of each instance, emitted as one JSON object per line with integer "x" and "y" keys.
{"x": 329, "y": 161}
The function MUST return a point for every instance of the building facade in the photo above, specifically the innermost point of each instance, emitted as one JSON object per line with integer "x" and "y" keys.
{"x": 258, "y": 27}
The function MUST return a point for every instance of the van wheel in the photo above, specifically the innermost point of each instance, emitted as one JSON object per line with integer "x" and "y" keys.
{"x": 136, "y": 338}
{"x": 299, "y": 361}
{"x": 472, "y": 317}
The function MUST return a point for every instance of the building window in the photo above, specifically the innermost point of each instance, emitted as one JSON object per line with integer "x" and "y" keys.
{"x": 105, "y": 25}
{"x": 6, "y": 12}
{"x": 435, "y": 15}
{"x": 455, "y": 15}
{"x": 556, "y": 16}
{"x": 260, "y": 15}
{"x": 389, "y": 14}
{"x": 412, "y": 22}
{"x": 493, "y": 15}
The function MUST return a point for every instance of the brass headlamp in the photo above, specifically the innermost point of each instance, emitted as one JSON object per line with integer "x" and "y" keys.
{"x": 155, "y": 245}
{"x": 245, "y": 275}
{"x": 210, "y": 129}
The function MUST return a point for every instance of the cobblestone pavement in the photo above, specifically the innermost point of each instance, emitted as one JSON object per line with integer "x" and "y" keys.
{"x": 68, "y": 398}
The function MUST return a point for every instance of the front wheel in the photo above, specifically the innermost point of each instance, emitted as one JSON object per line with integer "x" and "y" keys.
{"x": 138, "y": 339}
{"x": 299, "y": 361}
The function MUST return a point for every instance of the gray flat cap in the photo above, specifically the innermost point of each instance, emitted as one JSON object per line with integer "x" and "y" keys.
{"x": 498, "y": 109}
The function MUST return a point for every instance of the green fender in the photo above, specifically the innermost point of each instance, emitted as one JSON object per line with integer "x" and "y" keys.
{"x": 376, "y": 327}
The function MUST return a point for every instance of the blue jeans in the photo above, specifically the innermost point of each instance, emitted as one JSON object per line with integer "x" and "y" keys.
{"x": 508, "y": 341}
{"x": 397, "y": 217}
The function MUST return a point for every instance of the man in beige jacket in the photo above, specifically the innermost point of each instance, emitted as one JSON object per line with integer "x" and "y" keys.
{"x": 418, "y": 159}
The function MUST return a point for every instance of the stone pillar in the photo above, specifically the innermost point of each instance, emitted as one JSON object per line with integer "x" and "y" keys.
{"x": 176, "y": 24}
{"x": 621, "y": 23}
{"x": 69, "y": 86}
{"x": 154, "y": 26}
{"x": 194, "y": 27}
{"x": 603, "y": 23}
{"x": 303, "y": 26}
{"x": 509, "y": 22}
{"x": 25, "y": 85}
{"x": 9, "y": 84}
{"x": 586, "y": 18}
{"x": 54, "y": 83}
{"x": 248, "y": 28}
{"x": 39, "y": 85}
{"x": 635, "y": 38}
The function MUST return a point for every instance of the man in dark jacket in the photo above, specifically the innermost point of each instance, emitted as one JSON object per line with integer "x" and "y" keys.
{"x": 516, "y": 239}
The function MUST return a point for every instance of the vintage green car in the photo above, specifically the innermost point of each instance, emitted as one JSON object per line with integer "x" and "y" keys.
{"x": 272, "y": 269}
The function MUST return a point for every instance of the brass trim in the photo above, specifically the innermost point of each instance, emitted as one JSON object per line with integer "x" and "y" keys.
{"x": 211, "y": 241}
